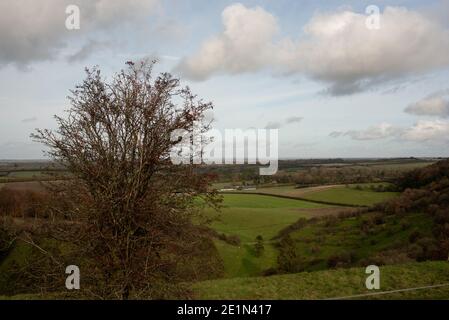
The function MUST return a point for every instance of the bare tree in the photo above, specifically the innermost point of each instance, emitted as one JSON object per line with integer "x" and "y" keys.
{"x": 131, "y": 206}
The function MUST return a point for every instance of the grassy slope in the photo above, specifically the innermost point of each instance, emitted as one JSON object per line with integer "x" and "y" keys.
{"x": 332, "y": 284}
{"x": 248, "y": 216}
{"x": 316, "y": 243}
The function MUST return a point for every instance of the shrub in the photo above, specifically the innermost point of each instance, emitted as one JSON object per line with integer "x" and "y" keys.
{"x": 288, "y": 261}
{"x": 258, "y": 246}
{"x": 414, "y": 236}
{"x": 344, "y": 259}
{"x": 6, "y": 241}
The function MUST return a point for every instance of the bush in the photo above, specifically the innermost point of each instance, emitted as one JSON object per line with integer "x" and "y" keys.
{"x": 258, "y": 246}
{"x": 414, "y": 236}
{"x": 426, "y": 249}
{"x": 386, "y": 257}
{"x": 344, "y": 259}
{"x": 299, "y": 224}
{"x": 378, "y": 219}
{"x": 6, "y": 241}
{"x": 233, "y": 240}
{"x": 288, "y": 261}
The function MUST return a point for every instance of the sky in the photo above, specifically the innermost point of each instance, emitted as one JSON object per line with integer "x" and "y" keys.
{"x": 336, "y": 78}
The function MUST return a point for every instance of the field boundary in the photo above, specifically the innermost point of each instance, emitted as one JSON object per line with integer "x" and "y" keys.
{"x": 389, "y": 292}
{"x": 296, "y": 198}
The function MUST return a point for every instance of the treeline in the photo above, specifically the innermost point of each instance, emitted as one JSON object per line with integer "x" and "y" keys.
{"x": 309, "y": 174}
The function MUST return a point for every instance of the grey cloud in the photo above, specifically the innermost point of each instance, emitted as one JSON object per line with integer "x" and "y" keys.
{"x": 336, "y": 134}
{"x": 32, "y": 31}
{"x": 293, "y": 119}
{"x": 273, "y": 125}
{"x": 27, "y": 120}
{"x": 436, "y": 104}
{"x": 89, "y": 48}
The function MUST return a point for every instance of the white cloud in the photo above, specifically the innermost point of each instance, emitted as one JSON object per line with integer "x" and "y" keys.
{"x": 336, "y": 48}
{"x": 428, "y": 130}
{"x": 35, "y": 30}
{"x": 436, "y": 104}
{"x": 381, "y": 131}
{"x": 435, "y": 131}
{"x": 243, "y": 46}
{"x": 342, "y": 51}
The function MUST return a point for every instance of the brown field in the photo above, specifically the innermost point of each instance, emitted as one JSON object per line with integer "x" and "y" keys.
{"x": 28, "y": 186}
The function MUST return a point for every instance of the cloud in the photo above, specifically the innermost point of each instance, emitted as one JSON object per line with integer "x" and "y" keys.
{"x": 381, "y": 131}
{"x": 243, "y": 46}
{"x": 278, "y": 125}
{"x": 273, "y": 125}
{"x": 436, "y": 104}
{"x": 340, "y": 50}
{"x": 336, "y": 134}
{"x": 90, "y": 47}
{"x": 27, "y": 120}
{"x": 335, "y": 48}
{"x": 428, "y": 130}
{"x": 293, "y": 119}
{"x": 33, "y": 31}
{"x": 422, "y": 131}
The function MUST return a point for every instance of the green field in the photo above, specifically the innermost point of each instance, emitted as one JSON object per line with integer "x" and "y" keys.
{"x": 333, "y": 284}
{"x": 350, "y": 196}
{"x": 338, "y": 194}
{"x": 248, "y": 216}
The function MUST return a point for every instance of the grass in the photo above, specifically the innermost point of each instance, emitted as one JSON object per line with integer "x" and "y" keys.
{"x": 327, "y": 284}
{"x": 248, "y": 216}
{"x": 338, "y": 194}
{"x": 290, "y": 191}
{"x": 240, "y": 261}
{"x": 257, "y": 201}
{"x": 316, "y": 243}
{"x": 350, "y": 196}
{"x": 332, "y": 284}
